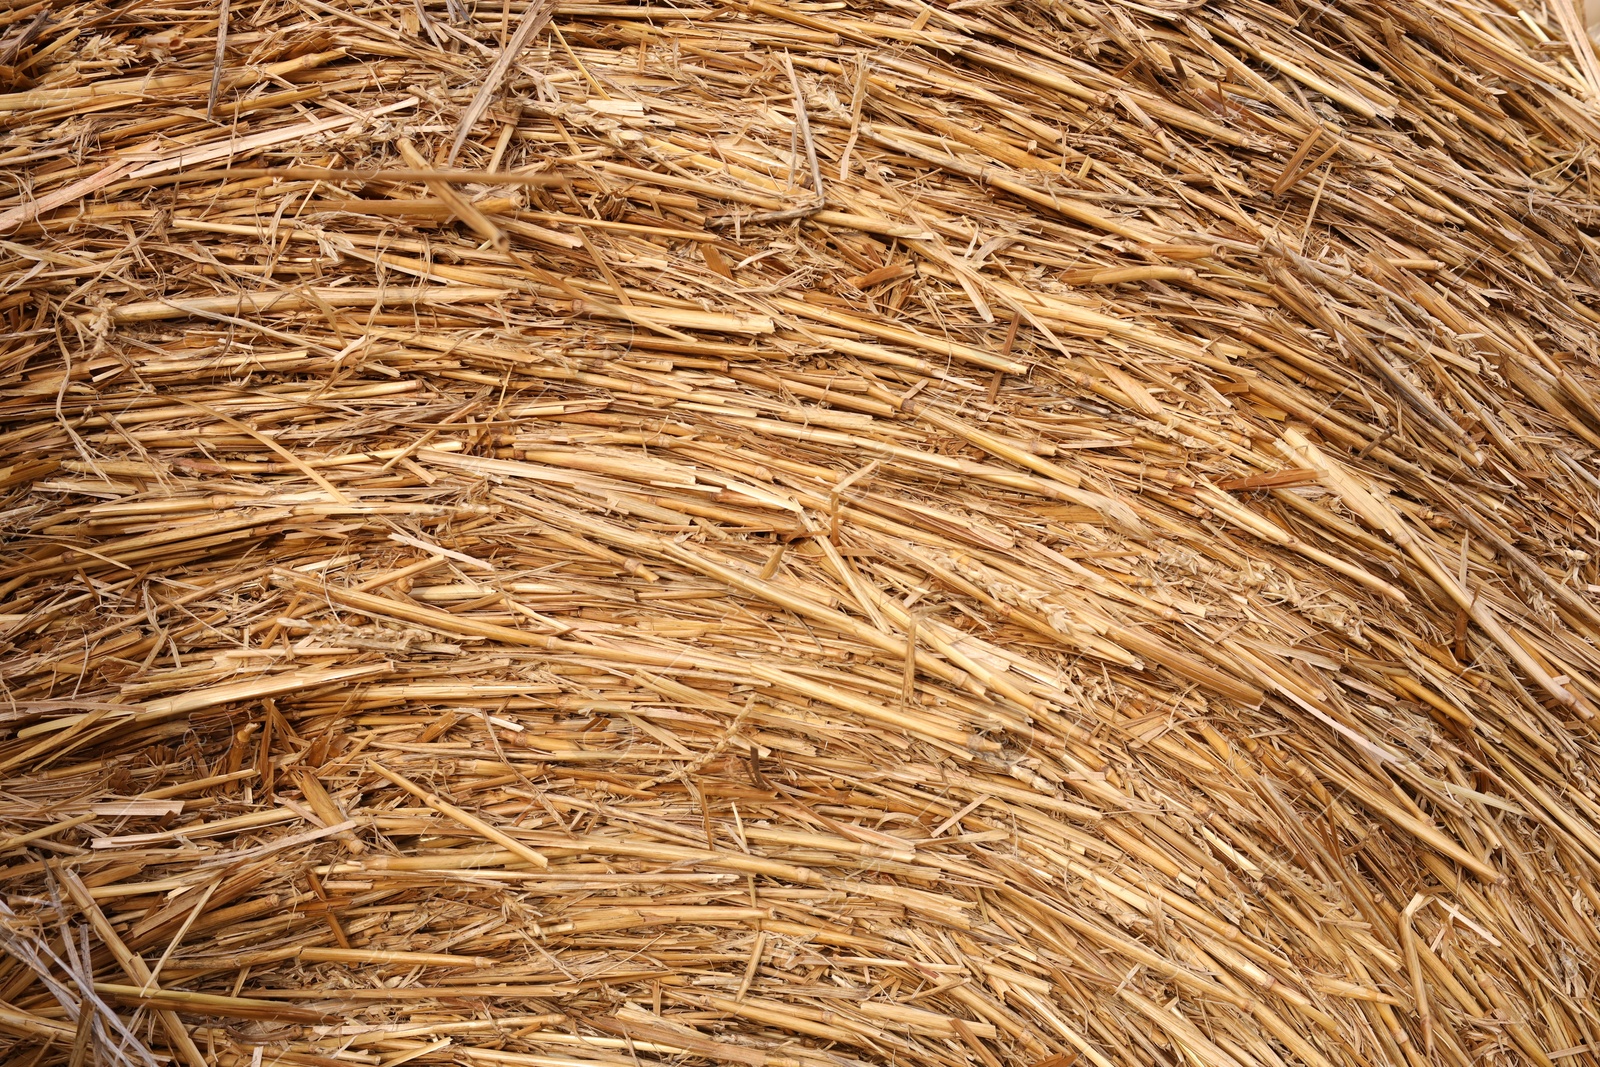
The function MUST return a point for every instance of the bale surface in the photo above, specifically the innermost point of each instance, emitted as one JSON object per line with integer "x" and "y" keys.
{"x": 805, "y": 535}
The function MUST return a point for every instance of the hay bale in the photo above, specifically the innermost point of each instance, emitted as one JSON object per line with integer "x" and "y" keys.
{"x": 799, "y": 534}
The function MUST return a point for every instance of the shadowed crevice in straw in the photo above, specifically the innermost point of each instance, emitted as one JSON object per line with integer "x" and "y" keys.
{"x": 803, "y": 535}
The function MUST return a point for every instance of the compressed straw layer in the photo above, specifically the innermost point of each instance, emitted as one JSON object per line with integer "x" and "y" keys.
{"x": 799, "y": 534}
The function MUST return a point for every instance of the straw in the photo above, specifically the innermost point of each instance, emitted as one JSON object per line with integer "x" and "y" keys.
{"x": 805, "y": 535}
